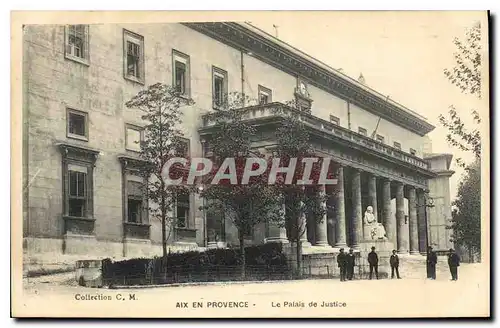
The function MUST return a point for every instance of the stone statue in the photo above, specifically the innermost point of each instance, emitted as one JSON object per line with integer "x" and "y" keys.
{"x": 377, "y": 229}
{"x": 369, "y": 217}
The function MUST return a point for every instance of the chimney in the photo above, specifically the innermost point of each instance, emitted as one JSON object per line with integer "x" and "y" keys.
{"x": 361, "y": 78}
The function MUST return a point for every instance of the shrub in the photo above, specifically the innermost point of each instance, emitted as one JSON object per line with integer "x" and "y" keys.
{"x": 212, "y": 264}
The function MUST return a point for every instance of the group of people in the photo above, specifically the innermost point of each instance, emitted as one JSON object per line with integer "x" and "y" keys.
{"x": 346, "y": 263}
{"x": 453, "y": 264}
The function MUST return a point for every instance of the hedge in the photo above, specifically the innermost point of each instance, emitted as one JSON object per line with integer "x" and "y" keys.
{"x": 209, "y": 265}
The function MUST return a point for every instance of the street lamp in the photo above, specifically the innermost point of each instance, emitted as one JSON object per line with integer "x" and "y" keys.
{"x": 428, "y": 203}
{"x": 205, "y": 235}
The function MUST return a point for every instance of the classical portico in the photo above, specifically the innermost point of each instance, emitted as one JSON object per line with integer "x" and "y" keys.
{"x": 369, "y": 173}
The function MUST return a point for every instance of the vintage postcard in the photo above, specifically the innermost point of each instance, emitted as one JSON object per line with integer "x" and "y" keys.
{"x": 328, "y": 164}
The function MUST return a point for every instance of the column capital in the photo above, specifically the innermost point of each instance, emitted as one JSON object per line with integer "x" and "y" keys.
{"x": 398, "y": 183}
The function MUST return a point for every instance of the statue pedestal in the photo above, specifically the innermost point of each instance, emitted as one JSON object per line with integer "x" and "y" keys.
{"x": 367, "y": 232}
{"x": 383, "y": 248}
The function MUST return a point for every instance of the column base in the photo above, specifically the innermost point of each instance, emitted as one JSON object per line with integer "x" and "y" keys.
{"x": 276, "y": 240}
{"x": 216, "y": 244}
{"x": 402, "y": 251}
{"x": 414, "y": 253}
{"x": 306, "y": 243}
{"x": 322, "y": 244}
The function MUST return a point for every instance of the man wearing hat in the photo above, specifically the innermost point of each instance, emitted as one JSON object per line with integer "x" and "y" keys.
{"x": 431, "y": 263}
{"x": 350, "y": 262}
{"x": 342, "y": 263}
{"x": 394, "y": 261}
{"x": 373, "y": 261}
{"x": 453, "y": 263}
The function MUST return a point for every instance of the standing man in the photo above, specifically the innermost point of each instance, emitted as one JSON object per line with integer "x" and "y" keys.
{"x": 453, "y": 263}
{"x": 351, "y": 262}
{"x": 394, "y": 261}
{"x": 341, "y": 261}
{"x": 431, "y": 263}
{"x": 373, "y": 261}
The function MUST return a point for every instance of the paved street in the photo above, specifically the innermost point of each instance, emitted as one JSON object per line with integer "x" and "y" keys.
{"x": 405, "y": 297}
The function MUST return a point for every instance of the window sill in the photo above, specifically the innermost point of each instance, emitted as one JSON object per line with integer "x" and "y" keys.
{"x": 137, "y": 151}
{"x": 77, "y": 137}
{"x": 79, "y": 60}
{"x": 141, "y": 224}
{"x": 134, "y": 79}
{"x": 79, "y": 225}
{"x": 185, "y": 234}
{"x": 136, "y": 230}
{"x": 69, "y": 217}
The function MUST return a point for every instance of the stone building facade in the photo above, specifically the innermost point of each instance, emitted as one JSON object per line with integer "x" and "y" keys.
{"x": 80, "y": 157}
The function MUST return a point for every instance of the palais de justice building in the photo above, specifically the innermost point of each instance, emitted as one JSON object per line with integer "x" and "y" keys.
{"x": 82, "y": 190}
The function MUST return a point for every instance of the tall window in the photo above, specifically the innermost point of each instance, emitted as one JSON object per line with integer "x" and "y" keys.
{"x": 380, "y": 138}
{"x": 77, "y": 42}
{"x": 77, "y": 125}
{"x": 133, "y": 56}
{"x": 182, "y": 209}
{"x": 77, "y": 203}
{"x": 265, "y": 95}
{"x": 135, "y": 196}
{"x": 180, "y": 72}
{"x": 362, "y": 131}
{"x": 219, "y": 87}
{"x": 77, "y": 192}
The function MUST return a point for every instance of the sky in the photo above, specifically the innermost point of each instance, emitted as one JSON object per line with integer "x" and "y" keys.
{"x": 400, "y": 54}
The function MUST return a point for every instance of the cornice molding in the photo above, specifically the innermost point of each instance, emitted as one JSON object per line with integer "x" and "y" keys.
{"x": 77, "y": 152}
{"x": 243, "y": 39}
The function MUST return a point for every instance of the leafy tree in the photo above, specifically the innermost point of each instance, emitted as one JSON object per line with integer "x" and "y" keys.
{"x": 301, "y": 201}
{"x": 467, "y": 72}
{"x": 246, "y": 204}
{"x": 466, "y": 75}
{"x": 459, "y": 137}
{"x": 466, "y": 216}
{"x": 161, "y": 106}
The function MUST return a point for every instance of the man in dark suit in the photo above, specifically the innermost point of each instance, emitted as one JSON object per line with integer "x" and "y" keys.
{"x": 431, "y": 263}
{"x": 350, "y": 262}
{"x": 453, "y": 263}
{"x": 394, "y": 261}
{"x": 342, "y": 261}
{"x": 373, "y": 261}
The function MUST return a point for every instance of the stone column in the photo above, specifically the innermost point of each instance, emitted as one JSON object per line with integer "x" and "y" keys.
{"x": 422, "y": 224}
{"x": 412, "y": 217}
{"x": 372, "y": 194}
{"x": 389, "y": 220}
{"x": 372, "y": 201}
{"x": 340, "y": 228}
{"x": 356, "y": 209}
{"x": 276, "y": 231}
{"x": 322, "y": 226}
{"x": 402, "y": 234}
{"x": 302, "y": 227}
